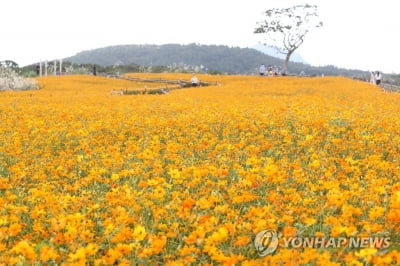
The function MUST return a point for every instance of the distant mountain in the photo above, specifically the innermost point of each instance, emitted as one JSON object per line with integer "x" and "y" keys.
{"x": 204, "y": 57}
{"x": 196, "y": 57}
{"x": 268, "y": 50}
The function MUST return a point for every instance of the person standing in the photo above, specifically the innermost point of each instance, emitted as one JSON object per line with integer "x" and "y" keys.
{"x": 270, "y": 71}
{"x": 372, "y": 78}
{"x": 194, "y": 81}
{"x": 262, "y": 70}
{"x": 378, "y": 77}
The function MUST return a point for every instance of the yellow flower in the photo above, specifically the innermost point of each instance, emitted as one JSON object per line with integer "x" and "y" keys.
{"x": 366, "y": 253}
{"x": 115, "y": 177}
{"x": 79, "y": 257}
{"x": 25, "y": 249}
{"x": 139, "y": 233}
{"x": 219, "y": 236}
{"x": 48, "y": 253}
{"x": 376, "y": 212}
{"x": 91, "y": 249}
{"x": 309, "y": 221}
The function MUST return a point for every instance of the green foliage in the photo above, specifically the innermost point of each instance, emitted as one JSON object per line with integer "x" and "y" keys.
{"x": 214, "y": 72}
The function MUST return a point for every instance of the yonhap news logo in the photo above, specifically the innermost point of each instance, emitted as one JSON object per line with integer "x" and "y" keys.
{"x": 267, "y": 241}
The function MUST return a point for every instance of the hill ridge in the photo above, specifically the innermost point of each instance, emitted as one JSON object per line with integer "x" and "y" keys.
{"x": 199, "y": 58}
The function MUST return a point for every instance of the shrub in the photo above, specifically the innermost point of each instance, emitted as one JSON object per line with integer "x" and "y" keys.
{"x": 10, "y": 80}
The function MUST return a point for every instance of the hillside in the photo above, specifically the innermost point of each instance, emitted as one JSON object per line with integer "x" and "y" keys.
{"x": 296, "y": 57}
{"x": 204, "y": 58}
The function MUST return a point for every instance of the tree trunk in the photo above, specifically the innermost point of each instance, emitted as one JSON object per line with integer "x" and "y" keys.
{"x": 286, "y": 63}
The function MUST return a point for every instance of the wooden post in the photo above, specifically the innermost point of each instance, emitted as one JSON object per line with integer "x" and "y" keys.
{"x": 55, "y": 67}
{"x": 60, "y": 66}
{"x": 40, "y": 68}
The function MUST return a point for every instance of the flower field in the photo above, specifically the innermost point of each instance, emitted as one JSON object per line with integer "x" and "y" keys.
{"x": 190, "y": 177}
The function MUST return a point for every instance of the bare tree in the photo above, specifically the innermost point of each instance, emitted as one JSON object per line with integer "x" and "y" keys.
{"x": 286, "y": 28}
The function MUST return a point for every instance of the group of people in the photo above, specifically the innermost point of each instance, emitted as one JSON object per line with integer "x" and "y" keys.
{"x": 376, "y": 77}
{"x": 270, "y": 71}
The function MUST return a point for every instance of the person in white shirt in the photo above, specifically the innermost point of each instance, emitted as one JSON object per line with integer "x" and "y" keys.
{"x": 262, "y": 70}
{"x": 378, "y": 77}
{"x": 195, "y": 81}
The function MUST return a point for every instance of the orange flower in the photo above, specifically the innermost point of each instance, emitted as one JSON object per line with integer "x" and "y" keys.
{"x": 241, "y": 241}
{"x": 188, "y": 203}
{"x": 14, "y": 229}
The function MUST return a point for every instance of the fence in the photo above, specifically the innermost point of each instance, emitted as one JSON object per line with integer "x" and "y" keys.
{"x": 390, "y": 87}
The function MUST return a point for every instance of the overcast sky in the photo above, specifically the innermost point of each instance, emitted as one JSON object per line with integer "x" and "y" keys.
{"x": 356, "y": 34}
